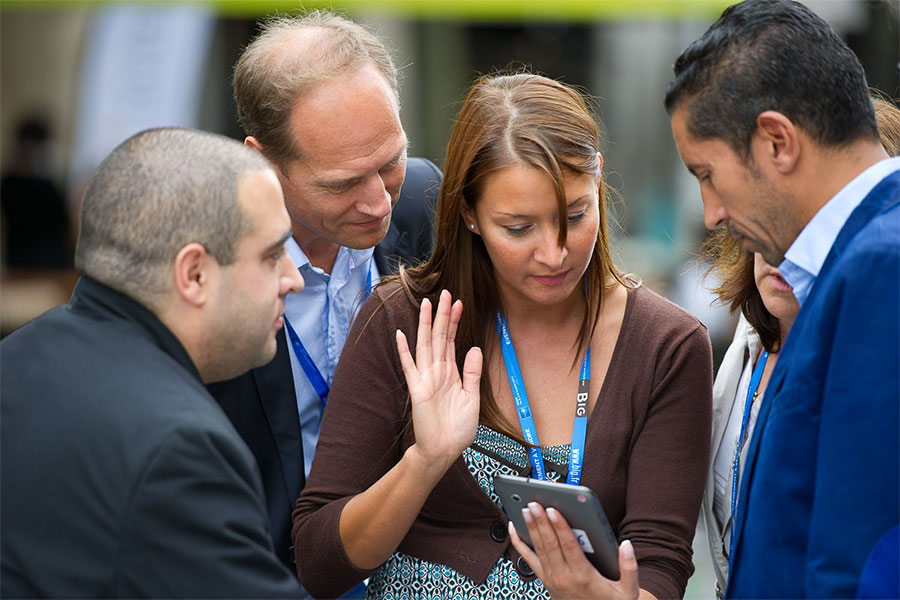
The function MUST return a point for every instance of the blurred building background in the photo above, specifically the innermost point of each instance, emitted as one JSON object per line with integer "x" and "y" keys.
{"x": 77, "y": 78}
{"x": 90, "y": 74}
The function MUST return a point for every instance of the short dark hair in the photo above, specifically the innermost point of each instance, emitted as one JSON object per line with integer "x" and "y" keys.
{"x": 771, "y": 55}
{"x": 158, "y": 191}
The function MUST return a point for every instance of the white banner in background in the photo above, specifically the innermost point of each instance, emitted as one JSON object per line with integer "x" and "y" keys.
{"x": 143, "y": 66}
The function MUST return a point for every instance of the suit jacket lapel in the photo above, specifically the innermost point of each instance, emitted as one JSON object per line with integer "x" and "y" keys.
{"x": 395, "y": 244}
{"x": 275, "y": 385}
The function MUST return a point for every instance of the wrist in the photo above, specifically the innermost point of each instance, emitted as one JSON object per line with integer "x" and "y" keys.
{"x": 429, "y": 468}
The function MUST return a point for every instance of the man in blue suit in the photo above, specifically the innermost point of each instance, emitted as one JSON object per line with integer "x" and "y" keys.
{"x": 771, "y": 112}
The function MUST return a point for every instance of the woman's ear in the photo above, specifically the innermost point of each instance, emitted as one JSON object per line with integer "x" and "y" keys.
{"x": 468, "y": 217}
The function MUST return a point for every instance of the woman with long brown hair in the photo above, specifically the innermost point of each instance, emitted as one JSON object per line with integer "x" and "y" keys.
{"x": 401, "y": 488}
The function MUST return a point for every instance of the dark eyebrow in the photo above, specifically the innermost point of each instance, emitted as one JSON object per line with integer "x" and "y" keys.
{"x": 275, "y": 246}
{"x": 568, "y": 205}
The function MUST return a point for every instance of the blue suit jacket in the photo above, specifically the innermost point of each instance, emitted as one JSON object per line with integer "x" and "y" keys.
{"x": 820, "y": 485}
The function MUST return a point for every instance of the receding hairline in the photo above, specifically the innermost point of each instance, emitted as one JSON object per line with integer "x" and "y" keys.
{"x": 285, "y": 41}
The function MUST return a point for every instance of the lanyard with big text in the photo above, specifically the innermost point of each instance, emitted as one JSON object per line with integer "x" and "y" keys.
{"x": 751, "y": 393}
{"x": 306, "y": 362}
{"x": 523, "y": 408}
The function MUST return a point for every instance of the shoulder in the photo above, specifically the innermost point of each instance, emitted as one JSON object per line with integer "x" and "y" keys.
{"x": 879, "y": 238}
{"x": 652, "y": 315}
{"x": 866, "y": 272}
{"x": 387, "y": 309}
{"x": 420, "y": 187}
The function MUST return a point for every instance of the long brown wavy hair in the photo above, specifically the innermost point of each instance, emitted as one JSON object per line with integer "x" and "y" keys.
{"x": 506, "y": 120}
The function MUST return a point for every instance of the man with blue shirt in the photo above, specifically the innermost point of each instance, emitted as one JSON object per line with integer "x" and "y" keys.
{"x": 317, "y": 95}
{"x": 771, "y": 112}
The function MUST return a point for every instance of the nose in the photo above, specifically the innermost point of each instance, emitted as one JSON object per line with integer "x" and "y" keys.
{"x": 376, "y": 201}
{"x": 714, "y": 215}
{"x": 291, "y": 279}
{"x": 548, "y": 251}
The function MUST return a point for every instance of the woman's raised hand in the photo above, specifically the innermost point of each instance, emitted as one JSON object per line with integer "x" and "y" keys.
{"x": 444, "y": 406}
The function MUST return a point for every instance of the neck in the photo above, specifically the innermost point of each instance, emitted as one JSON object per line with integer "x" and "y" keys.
{"x": 833, "y": 169}
{"x": 784, "y": 327}
{"x": 184, "y": 324}
{"x": 528, "y": 315}
{"x": 321, "y": 251}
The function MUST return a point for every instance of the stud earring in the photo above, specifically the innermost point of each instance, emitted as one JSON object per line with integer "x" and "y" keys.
{"x": 472, "y": 226}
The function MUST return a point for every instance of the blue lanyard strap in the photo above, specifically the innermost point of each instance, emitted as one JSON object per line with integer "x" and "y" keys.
{"x": 309, "y": 366}
{"x": 368, "y": 287}
{"x": 306, "y": 362}
{"x": 523, "y": 408}
{"x": 748, "y": 403}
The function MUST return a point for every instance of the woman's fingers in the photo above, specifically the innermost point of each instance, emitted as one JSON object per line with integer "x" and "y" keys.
{"x": 568, "y": 543}
{"x": 628, "y": 570}
{"x": 543, "y": 538}
{"x": 406, "y": 361}
{"x": 527, "y": 553}
{"x": 471, "y": 381}
{"x": 423, "y": 337}
{"x": 440, "y": 330}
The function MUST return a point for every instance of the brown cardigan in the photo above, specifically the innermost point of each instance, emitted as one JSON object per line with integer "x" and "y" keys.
{"x": 646, "y": 451}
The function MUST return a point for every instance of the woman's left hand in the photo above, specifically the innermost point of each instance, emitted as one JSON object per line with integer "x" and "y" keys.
{"x": 559, "y": 561}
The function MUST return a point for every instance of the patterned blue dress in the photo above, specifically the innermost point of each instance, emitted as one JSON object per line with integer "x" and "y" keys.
{"x": 405, "y": 577}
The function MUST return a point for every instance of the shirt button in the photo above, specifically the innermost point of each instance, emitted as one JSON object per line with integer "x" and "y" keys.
{"x": 498, "y": 531}
{"x": 524, "y": 568}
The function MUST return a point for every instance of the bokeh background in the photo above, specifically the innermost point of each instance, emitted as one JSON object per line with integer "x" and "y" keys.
{"x": 77, "y": 78}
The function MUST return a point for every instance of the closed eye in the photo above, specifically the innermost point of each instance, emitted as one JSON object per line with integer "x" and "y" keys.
{"x": 577, "y": 217}
{"x": 518, "y": 230}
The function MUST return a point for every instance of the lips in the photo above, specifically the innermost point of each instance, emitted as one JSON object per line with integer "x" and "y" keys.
{"x": 373, "y": 224}
{"x": 780, "y": 284}
{"x": 551, "y": 280}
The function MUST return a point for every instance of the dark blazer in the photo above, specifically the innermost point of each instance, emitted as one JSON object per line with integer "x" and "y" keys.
{"x": 822, "y": 477}
{"x": 262, "y": 404}
{"x": 121, "y": 477}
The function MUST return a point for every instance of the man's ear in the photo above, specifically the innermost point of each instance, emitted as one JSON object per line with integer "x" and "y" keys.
{"x": 252, "y": 142}
{"x": 778, "y": 139}
{"x": 193, "y": 272}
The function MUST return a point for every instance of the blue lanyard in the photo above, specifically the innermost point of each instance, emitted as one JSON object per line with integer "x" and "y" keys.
{"x": 751, "y": 393}
{"x": 306, "y": 362}
{"x": 523, "y": 408}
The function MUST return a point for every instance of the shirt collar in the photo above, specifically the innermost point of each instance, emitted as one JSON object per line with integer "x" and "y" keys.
{"x": 356, "y": 257}
{"x": 804, "y": 259}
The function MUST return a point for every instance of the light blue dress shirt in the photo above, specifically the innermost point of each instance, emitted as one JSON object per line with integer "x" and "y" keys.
{"x": 805, "y": 257}
{"x": 321, "y": 315}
